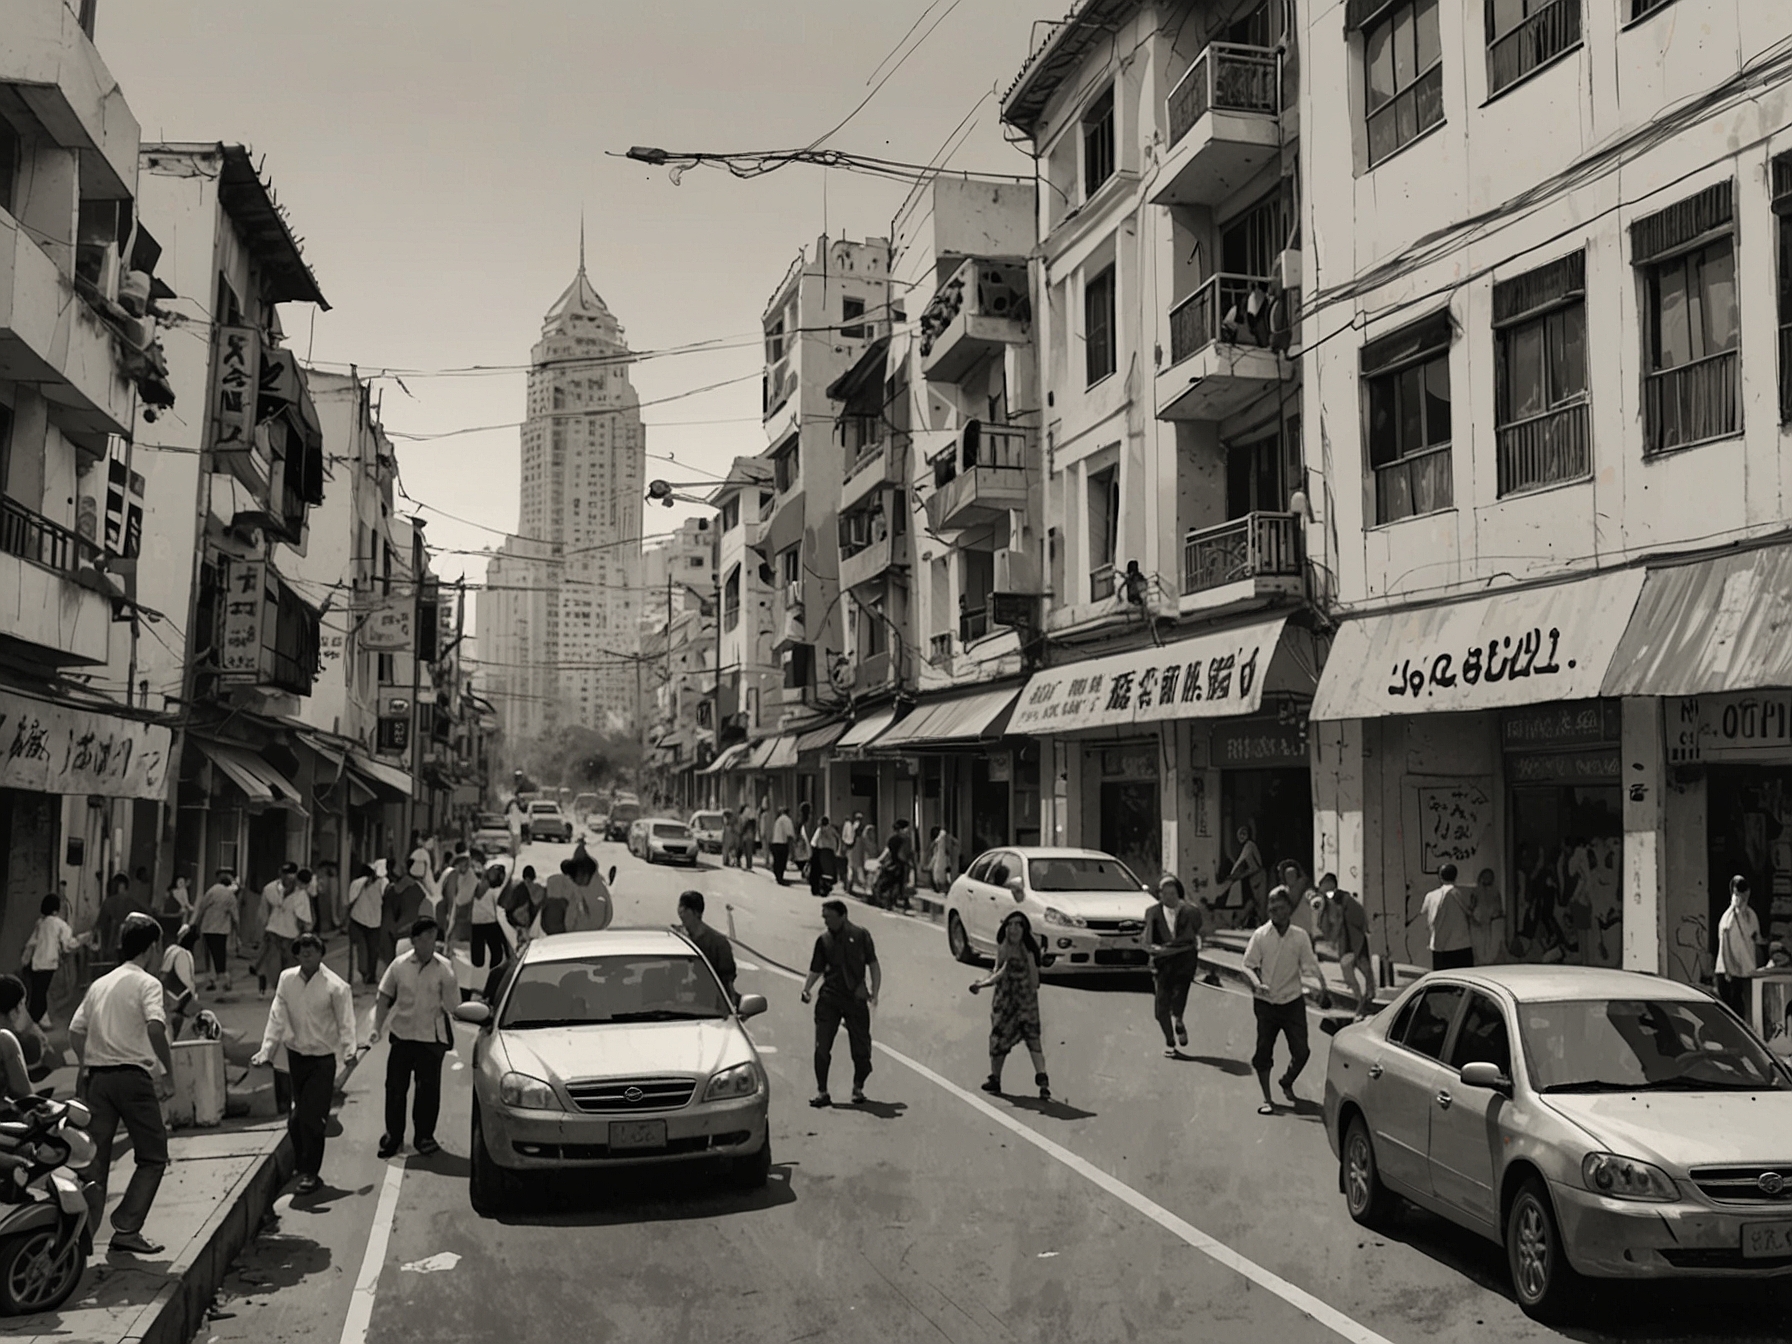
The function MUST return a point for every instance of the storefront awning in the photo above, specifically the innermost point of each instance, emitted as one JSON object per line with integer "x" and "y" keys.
{"x": 819, "y": 739}
{"x": 763, "y": 752}
{"x": 1525, "y": 647}
{"x": 860, "y": 735}
{"x": 1221, "y": 674}
{"x": 727, "y": 760}
{"x": 1702, "y": 629}
{"x": 962, "y": 720}
{"x": 388, "y": 777}
{"x": 259, "y": 782}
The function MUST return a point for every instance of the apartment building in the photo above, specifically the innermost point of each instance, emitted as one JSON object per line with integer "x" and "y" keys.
{"x": 746, "y": 668}
{"x": 1546, "y": 397}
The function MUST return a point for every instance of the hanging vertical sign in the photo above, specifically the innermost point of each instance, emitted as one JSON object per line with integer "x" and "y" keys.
{"x": 245, "y": 602}
{"x": 236, "y": 382}
{"x": 124, "y": 506}
{"x": 387, "y": 628}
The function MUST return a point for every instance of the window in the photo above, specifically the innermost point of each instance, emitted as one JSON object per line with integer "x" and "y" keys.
{"x": 1429, "y": 1027}
{"x": 790, "y": 564}
{"x": 1098, "y": 325}
{"x": 1687, "y": 259}
{"x": 1098, "y": 142}
{"x": 1526, "y": 35}
{"x": 1406, "y": 378}
{"x": 1782, "y": 207}
{"x": 786, "y": 468}
{"x": 850, "y": 310}
{"x": 1104, "y": 530}
{"x": 1540, "y": 321}
{"x": 1403, "y": 76}
{"x": 731, "y": 515}
{"x": 1482, "y": 1038}
{"x": 1641, "y": 9}
{"x": 10, "y": 156}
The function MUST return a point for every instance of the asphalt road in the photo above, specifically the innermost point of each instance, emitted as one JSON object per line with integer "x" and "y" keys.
{"x": 1147, "y": 1201}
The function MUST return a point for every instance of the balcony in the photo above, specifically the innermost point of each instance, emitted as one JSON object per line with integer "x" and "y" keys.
{"x": 879, "y": 465}
{"x": 1223, "y": 127}
{"x": 56, "y": 74}
{"x": 44, "y": 601}
{"x": 1545, "y": 450}
{"x": 1220, "y": 360}
{"x": 1691, "y": 403}
{"x": 878, "y": 672}
{"x": 939, "y": 650}
{"x": 983, "y": 307}
{"x": 981, "y": 479}
{"x": 1240, "y": 563}
{"x": 869, "y": 546}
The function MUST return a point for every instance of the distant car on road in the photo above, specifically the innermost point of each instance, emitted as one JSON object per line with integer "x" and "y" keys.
{"x": 1087, "y": 908}
{"x": 665, "y": 839}
{"x": 582, "y": 808}
{"x": 707, "y": 827}
{"x": 492, "y": 834}
{"x": 622, "y": 815}
{"x": 1593, "y": 1122}
{"x": 611, "y": 1049}
{"x": 548, "y": 822}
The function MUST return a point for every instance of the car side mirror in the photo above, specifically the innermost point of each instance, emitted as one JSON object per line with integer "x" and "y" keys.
{"x": 751, "y": 1005}
{"x": 1017, "y": 888}
{"x": 1482, "y": 1074}
{"x": 474, "y": 1014}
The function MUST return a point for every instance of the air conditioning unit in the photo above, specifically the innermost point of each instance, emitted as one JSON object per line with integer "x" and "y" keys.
{"x": 1288, "y": 268}
{"x": 793, "y": 593}
{"x": 1014, "y": 572}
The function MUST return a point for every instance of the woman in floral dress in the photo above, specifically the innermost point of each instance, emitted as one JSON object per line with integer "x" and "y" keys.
{"x": 1014, "y": 1011}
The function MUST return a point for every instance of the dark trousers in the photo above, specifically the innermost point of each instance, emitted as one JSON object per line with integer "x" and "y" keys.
{"x": 829, "y": 1014}
{"x": 40, "y": 993}
{"x": 780, "y": 860}
{"x": 1733, "y": 990}
{"x": 821, "y": 872}
{"x": 1170, "y": 999}
{"x": 364, "y": 951}
{"x": 1462, "y": 959}
{"x": 313, "y": 1084}
{"x": 489, "y": 937}
{"x": 1284, "y": 1019}
{"x": 421, "y": 1060}
{"x": 126, "y": 1096}
{"x": 217, "y": 952}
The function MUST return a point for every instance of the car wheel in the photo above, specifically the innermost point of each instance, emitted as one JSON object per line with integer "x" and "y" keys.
{"x": 1542, "y": 1278}
{"x": 1364, "y": 1195}
{"x": 490, "y": 1189}
{"x": 958, "y": 940}
{"x": 751, "y": 1173}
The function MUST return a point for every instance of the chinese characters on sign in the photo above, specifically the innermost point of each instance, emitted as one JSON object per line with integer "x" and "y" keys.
{"x": 1547, "y": 727}
{"x": 1735, "y": 727}
{"x": 236, "y": 386}
{"x": 387, "y": 627}
{"x": 1533, "y": 653}
{"x": 245, "y": 600}
{"x": 1456, "y": 822}
{"x": 47, "y": 748}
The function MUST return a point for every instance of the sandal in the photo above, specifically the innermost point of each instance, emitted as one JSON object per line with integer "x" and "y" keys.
{"x": 1267, "y": 1108}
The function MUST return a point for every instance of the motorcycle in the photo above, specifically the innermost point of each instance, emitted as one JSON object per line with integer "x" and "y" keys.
{"x": 45, "y": 1230}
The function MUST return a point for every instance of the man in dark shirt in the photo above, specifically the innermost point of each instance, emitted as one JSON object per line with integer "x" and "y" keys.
{"x": 845, "y": 961}
{"x": 716, "y": 949}
{"x": 1173, "y": 941}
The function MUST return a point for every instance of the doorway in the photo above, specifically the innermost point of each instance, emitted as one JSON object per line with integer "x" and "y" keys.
{"x": 1749, "y": 835}
{"x": 989, "y": 808}
{"x": 1277, "y": 805}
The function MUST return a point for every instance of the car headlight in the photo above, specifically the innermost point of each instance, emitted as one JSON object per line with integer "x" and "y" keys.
{"x": 1055, "y": 916}
{"x": 1626, "y": 1178}
{"x": 740, "y": 1081}
{"x": 523, "y": 1093}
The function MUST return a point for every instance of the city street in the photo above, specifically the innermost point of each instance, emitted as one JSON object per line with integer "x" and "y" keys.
{"x": 1148, "y": 1200}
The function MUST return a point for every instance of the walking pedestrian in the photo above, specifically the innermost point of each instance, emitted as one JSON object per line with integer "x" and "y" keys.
{"x": 120, "y": 904}
{"x": 730, "y": 839}
{"x": 313, "y": 1020}
{"x": 418, "y": 995}
{"x": 591, "y": 906}
{"x": 1275, "y": 959}
{"x": 1173, "y": 942}
{"x": 180, "y": 983}
{"x": 285, "y": 914}
{"x": 800, "y": 851}
{"x": 1739, "y": 944}
{"x": 1307, "y": 900}
{"x": 51, "y": 940}
{"x": 513, "y": 821}
{"x": 714, "y": 946}
{"x": 845, "y": 961}
{"x": 1346, "y": 927}
{"x": 824, "y": 860}
{"x": 895, "y": 870}
{"x": 487, "y": 936}
{"x": 860, "y": 846}
{"x": 749, "y": 834}
{"x": 1248, "y": 875}
{"x": 1447, "y": 917}
{"x": 783, "y": 829}
{"x": 329, "y": 897}
{"x": 177, "y": 901}
{"x": 942, "y": 858}
{"x": 216, "y": 914}
{"x": 401, "y": 906}
{"x": 366, "y": 917}
{"x": 458, "y": 886}
{"x": 1487, "y": 919}
{"x": 1014, "y": 1008}
{"x": 120, "y": 1035}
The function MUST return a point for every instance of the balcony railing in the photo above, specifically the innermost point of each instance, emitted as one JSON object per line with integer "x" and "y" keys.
{"x": 1220, "y": 310}
{"x": 861, "y": 436}
{"x": 1000, "y": 446}
{"x": 289, "y": 671}
{"x": 1691, "y": 403}
{"x": 1545, "y": 449}
{"x": 1786, "y": 374}
{"x": 981, "y": 289}
{"x": 31, "y": 536}
{"x": 1421, "y": 483}
{"x": 973, "y": 624}
{"x": 1101, "y": 582}
{"x": 939, "y": 648}
{"x": 1536, "y": 41}
{"x": 1227, "y": 76}
{"x": 1258, "y": 544}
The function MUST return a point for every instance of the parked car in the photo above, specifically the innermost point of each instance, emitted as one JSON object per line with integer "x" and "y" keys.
{"x": 492, "y": 833}
{"x": 622, "y": 815}
{"x": 1086, "y": 908}
{"x": 669, "y": 840}
{"x": 548, "y": 822}
{"x": 707, "y": 827}
{"x": 1593, "y": 1122}
{"x": 611, "y": 1049}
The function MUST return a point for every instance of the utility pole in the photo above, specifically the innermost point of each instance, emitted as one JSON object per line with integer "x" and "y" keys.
{"x": 410, "y": 810}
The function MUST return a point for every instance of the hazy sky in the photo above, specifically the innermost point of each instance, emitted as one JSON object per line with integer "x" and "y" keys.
{"x": 435, "y": 155}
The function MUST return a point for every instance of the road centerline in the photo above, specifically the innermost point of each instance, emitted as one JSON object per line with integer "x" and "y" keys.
{"x": 379, "y": 1238}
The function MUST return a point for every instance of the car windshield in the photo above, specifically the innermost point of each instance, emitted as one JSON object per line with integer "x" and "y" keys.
{"x": 612, "y": 989}
{"x": 671, "y": 830}
{"x": 707, "y": 820}
{"x": 544, "y": 807}
{"x": 625, "y": 812}
{"x": 1081, "y": 873}
{"x": 1643, "y": 1045}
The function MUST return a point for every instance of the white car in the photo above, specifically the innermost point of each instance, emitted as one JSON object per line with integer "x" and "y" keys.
{"x": 548, "y": 822}
{"x": 665, "y": 840}
{"x": 1087, "y": 908}
{"x": 708, "y": 828}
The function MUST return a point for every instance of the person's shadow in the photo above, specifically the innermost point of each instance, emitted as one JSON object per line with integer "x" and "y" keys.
{"x": 1055, "y": 1109}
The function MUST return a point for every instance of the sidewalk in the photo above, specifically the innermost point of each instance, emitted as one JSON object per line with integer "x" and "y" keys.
{"x": 221, "y": 1183}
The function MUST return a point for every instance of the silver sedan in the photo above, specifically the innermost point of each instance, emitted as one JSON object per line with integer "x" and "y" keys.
{"x": 1593, "y": 1122}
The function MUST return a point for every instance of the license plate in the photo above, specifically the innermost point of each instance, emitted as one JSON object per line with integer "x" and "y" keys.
{"x": 1119, "y": 942}
{"x": 637, "y": 1134}
{"x": 1766, "y": 1241}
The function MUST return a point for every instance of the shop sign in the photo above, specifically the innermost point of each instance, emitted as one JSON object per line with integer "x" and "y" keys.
{"x": 1577, "y": 724}
{"x": 1741, "y": 726}
{"x": 58, "y": 749}
{"x": 235, "y": 387}
{"x": 1001, "y": 767}
{"x": 1258, "y": 743}
{"x": 1563, "y": 767}
{"x": 394, "y": 734}
{"x": 246, "y": 600}
{"x": 387, "y": 627}
{"x": 1129, "y": 762}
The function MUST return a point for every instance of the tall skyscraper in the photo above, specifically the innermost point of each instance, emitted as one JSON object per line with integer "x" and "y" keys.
{"x": 558, "y": 620}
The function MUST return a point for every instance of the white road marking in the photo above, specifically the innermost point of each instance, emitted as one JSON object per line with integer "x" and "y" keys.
{"x": 435, "y": 1264}
{"x": 1299, "y": 1298}
{"x": 360, "y": 1305}
{"x": 766, "y": 1049}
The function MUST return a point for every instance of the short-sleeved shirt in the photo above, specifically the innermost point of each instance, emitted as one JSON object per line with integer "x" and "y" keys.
{"x": 718, "y": 952}
{"x": 116, "y": 1013}
{"x": 843, "y": 960}
{"x": 423, "y": 998}
{"x": 1446, "y": 912}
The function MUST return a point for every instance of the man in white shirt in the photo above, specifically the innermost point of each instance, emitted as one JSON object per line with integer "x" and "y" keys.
{"x": 418, "y": 995}
{"x": 783, "y": 832}
{"x": 1447, "y": 918}
{"x": 285, "y": 914}
{"x": 120, "y": 1035}
{"x": 313, "y": 1016}
{"x": 366, "y": 913}
{"x": 1739, "y": 944}
{"x": 1275, "y": 959}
